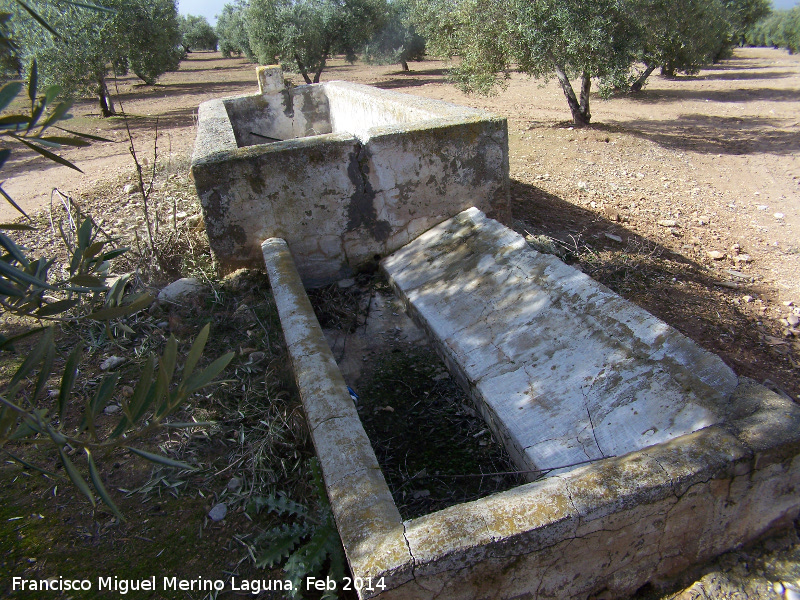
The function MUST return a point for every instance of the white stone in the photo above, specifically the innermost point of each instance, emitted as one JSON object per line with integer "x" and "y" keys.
{"x": 620, "y": 381}
{"x": 180, "y": 289}
{"x": 112, "y": 362}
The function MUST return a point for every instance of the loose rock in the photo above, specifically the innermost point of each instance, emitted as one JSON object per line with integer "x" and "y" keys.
{"x": 793, "y": 320}
{"x": 179, "y": 289}
{"x": 668, "y": 223}
{"x": 716, "y": 254}
{"x": 218, "y": 512}
{"x": 112, "y": 362}
{"x": 255, "y": 357}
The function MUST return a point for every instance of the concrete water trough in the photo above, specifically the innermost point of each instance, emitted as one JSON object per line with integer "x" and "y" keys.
{"x": 343, "y": 172}
{"x": 659, "y": 457}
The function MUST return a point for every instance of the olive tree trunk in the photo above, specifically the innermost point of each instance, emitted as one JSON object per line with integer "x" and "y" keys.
{"x": 639, "y": 83}
{"x": 579, "y": 110}
{"x": 106, "y": 103}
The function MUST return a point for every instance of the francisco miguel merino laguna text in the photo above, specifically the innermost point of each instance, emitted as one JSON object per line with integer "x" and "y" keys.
{"x": 123, "y": 586}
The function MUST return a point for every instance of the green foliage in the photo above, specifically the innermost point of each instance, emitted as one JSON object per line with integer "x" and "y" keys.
{"x": 28, "y": 288}
{"x": 303, "y": 34}
{"x": 138, "y": 35}
{"x": 568, "y": 38}
{"x": 154, "y": 48}
{"x": 742, "y": 15}
{"x": 681, "y": 35}
{"x": 232, "y": 31}
{"x": 305, "y": 545}
{"x": 25, "y": 416}
{"x": 398, "y": 41}
{"x": 10, "y": 65}
{"x": 781, "y": 29}
{"x": 196, "y": 33}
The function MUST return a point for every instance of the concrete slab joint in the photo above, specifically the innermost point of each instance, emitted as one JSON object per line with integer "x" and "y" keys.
{"x": 343, "y": 172}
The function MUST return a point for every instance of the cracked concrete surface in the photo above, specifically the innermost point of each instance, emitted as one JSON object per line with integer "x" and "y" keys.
{"x": 568, "y": 370}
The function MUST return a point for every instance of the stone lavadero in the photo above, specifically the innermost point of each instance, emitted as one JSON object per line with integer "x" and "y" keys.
{"x": 685, "y": 459}
{"x": 343, "y": 172}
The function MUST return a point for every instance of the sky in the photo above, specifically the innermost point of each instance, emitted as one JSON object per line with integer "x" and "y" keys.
{"x": 204, "y": 8}
{"x": 210, "y": 8}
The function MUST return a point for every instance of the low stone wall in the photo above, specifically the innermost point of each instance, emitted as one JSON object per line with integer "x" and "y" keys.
{"x": 603, "y": 529}
{"x": 358, "y": 172}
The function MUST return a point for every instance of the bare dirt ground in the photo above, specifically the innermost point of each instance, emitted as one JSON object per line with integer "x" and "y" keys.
{"x": 684, "y": 198}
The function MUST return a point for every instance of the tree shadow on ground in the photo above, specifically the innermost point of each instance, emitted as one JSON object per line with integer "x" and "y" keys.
{"x": 196, "y": 55}
{"x": 722, "y": 96}
{"x": 736, "y": 76}
{"x": 708, "y": 134}
{"x": 410, "y": 79}
{"x": 675, "y": 288}
{"x": 221, "y": 89}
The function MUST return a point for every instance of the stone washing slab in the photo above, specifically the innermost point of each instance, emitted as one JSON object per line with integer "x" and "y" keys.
{"x": 342, "y": 171}
{"x": 599, "y": 530}
{"x": 564, "y": 369}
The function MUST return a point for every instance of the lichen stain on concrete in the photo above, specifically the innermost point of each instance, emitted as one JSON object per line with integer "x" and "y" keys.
{"x": 288, "y": 104}
{"x": 361, "y": 210}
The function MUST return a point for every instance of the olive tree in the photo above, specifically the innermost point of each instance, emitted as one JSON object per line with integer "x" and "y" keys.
{"x": 742, "y": 15}
{"x": 676, "y": 35}
{"x": 137, "y": 35}
{"x": 781, "y": 29}
{"x": 398, "y": 40}
{"x": 303, "y": 34}
{"x": 196, "y": 33}
{"x": 232, "y": 32}
{"x": 570, "y": 39}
